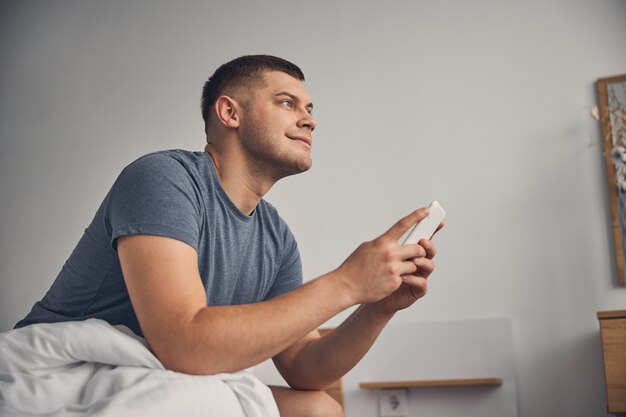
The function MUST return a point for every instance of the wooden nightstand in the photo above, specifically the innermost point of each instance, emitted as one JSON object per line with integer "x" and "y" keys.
{"x": 613, "y": 333}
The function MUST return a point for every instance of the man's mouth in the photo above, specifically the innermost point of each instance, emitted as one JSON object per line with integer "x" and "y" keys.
{"x": 304, "y": 139}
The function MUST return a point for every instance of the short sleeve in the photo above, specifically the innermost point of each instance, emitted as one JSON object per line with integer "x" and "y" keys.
{"x": 289, "y": 275}
{"x": 155, "y": 195}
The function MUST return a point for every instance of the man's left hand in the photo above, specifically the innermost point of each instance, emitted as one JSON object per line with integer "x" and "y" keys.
{"x": 415, "y": 285}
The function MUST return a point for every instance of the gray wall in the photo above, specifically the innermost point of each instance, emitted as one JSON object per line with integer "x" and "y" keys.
{"x": 481, "y": 105}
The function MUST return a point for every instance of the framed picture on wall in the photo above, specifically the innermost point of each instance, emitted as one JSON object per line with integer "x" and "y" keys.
{"x": 612, "y": 115}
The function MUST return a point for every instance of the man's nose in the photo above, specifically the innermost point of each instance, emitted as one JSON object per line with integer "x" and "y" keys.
{"x": 307, "y": 121}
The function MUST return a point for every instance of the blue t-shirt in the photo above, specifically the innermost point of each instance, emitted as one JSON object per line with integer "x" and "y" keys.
{"x": 241, "y": 259}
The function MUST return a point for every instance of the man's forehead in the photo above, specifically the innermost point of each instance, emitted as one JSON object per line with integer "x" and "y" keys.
{"x": 278, "y": 81}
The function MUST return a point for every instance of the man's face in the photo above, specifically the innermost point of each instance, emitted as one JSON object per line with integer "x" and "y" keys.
{"x": 277, "y": 126}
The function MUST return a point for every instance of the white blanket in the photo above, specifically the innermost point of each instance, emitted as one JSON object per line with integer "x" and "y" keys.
{"x": 91, "y": 368}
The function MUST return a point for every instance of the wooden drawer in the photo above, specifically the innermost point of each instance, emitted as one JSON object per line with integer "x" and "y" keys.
{"x": 613, "y": 333}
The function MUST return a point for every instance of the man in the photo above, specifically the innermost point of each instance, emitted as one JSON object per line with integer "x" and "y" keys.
{"x": 185, "y": 251}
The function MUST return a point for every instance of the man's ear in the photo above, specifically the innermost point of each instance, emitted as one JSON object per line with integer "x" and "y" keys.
{"x": 227, "y": 111}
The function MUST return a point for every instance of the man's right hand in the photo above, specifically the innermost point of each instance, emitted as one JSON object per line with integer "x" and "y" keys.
{"x": 375, "y": 269}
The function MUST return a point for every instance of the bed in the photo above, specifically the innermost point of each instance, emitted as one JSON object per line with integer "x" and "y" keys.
{"x": 90, "y": 368}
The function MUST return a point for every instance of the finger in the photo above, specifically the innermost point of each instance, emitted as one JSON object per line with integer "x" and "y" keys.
{"x": 396, "y": 231}
{"x": 418, "y": 285}
{"x": 411, "y": 251}
{"x": 429, "y": 248}
{"x": 408, "y": 267}
{"x": 424, "y": 266}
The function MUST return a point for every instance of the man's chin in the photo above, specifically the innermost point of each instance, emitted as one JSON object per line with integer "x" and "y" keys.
{"x": 298, "y": 168}
{"x": 307, "y": 165}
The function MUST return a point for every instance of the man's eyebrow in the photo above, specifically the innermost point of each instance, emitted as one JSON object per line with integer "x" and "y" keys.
{"x": 293, "y": 97}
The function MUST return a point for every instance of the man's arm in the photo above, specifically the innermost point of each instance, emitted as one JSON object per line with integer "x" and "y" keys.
{"x": 166, "y": 291}
{"x": 314, "y": 362}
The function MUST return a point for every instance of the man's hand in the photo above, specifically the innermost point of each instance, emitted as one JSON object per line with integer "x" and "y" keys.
{"x": 381, "y": 276}
{"x": 377, "y": 270}
{"x": 415, "y": 285}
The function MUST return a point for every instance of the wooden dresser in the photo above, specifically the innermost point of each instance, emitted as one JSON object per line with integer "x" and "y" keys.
{"x": 613, "y": 333}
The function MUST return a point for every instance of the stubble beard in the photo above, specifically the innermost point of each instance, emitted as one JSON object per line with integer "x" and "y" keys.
{"x": 268, "y": 154}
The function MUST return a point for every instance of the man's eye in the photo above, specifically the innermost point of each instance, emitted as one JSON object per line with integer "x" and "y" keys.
{"x": 287, "y": 103}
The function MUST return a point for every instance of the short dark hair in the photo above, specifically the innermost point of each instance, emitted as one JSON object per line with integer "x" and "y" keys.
{"x": 245, "y": 69}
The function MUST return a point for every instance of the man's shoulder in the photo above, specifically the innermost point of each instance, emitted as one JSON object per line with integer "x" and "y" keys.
{"x": 170, "y": 163}
{"x": 168, "y": 157}
{"x": 162, "y": 173}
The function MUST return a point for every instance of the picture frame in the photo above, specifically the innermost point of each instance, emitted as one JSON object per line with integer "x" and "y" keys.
{"x": 612, "y": 116}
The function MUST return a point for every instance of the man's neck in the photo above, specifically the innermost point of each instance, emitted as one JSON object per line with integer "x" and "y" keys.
{"x": 241, "y": 185}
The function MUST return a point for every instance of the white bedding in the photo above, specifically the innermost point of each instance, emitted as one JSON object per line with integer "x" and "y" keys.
{"x": 90, "y": 368}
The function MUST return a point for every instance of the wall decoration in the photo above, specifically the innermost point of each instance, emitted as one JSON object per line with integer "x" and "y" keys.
{"x": 612, "y": 116}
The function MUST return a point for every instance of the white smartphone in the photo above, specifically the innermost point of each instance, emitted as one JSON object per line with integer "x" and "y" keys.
{"x": 425, "y": 228}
